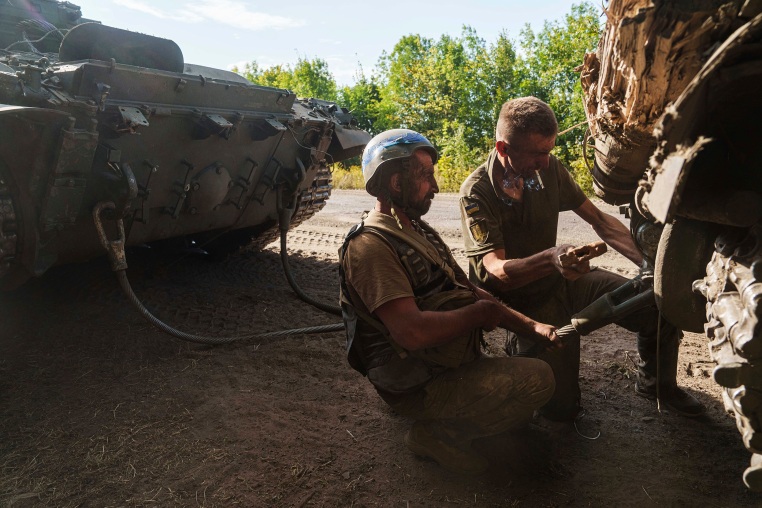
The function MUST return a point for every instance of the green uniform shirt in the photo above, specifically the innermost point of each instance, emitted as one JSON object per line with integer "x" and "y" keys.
{"x": 521, "y": 228}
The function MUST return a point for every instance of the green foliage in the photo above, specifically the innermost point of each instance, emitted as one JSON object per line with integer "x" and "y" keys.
{"x": 308, "y": 78}
{"x": 451, "y": 89}
{"x": 457, "y": 159}
{"x": 547, "y": 70}
{"x": 578, "y": 167}
{"x": 362, "y": 101}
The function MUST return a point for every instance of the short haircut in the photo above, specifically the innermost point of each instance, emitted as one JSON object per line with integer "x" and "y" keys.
{"x": 524, "y": 116}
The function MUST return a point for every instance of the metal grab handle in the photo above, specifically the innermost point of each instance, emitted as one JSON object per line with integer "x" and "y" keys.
{"x": 114, "y": 248}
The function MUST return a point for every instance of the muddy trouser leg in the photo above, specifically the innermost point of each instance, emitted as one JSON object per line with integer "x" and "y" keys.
{"x": 556, "y": 310}
{"x": 482, "y": 398}
{"x": 645, "y": 323}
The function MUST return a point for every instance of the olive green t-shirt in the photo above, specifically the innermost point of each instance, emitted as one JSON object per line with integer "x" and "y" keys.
{"x": 374, "y": 273}
{"x": 520, "y": 228}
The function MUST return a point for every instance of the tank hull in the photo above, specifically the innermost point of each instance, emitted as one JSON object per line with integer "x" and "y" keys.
{"x": 182, "y": 151}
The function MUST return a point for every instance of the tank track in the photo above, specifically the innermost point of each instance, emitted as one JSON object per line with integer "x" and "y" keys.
{"x": 311, "y": 201}
{"x": 8, "y": 229}
{"x": 733, "y": 289}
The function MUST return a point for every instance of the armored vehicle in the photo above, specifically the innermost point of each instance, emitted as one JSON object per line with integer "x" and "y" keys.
{"x": 94, "y": 116}
{"x": 672, "y": 98}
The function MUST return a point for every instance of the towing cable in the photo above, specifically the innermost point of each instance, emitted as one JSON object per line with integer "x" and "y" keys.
{"x": 118, "y": 260}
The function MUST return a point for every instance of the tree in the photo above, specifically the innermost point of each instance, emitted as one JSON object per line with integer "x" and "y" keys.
{"x": 308, "y": 78}
{"x": 362, "y": 100}
{"x": 451, "y": 89}
{"x": 311, "y": 78}
{"x": 548, "y": 70}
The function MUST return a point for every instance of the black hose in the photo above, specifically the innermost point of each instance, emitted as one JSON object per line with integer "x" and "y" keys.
{"x": 118, "y": 261}
{"x": 284, "y": 220}
{"x": 200, "y": 339}
{"x": 331, "y": 309}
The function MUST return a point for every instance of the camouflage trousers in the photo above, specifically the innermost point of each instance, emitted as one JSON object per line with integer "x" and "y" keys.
{"x": 482, "y": 398}
{"x": 558, "y": 308}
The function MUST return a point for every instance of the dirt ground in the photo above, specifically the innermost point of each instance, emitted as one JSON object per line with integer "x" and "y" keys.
{"x": 97, "y": 408}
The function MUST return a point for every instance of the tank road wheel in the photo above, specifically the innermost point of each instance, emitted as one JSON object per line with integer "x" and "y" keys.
{"x": 220, "y": 245}
{"x": 733, "y": 289}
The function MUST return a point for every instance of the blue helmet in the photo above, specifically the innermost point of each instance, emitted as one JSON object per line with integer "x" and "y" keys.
{"x": 387, "y": 151}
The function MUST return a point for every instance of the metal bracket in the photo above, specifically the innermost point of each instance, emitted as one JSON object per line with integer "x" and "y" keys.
{"x": 144, "y": 192}
{"x": 132, "y": 118}
{"x": 183, "y": 192}
{"x": 115, "y": 248}
{"x": 101, "y": 94}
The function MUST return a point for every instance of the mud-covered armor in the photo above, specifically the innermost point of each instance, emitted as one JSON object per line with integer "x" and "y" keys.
{"x": 685, "y": 151}
{"x": 370, "y": 349}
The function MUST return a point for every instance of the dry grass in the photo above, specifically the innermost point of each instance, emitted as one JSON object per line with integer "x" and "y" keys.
{"x": 349, "y": 178}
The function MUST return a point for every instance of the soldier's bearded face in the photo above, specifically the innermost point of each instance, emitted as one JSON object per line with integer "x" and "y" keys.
{"x": 421, "y": 184}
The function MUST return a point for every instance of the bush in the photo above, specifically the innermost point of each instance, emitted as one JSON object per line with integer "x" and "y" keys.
{"x": 582, "y": 176}
{"x": 453, "y": 170}
{"x": 450, "y": 175}
{"x": 347, "y": 177}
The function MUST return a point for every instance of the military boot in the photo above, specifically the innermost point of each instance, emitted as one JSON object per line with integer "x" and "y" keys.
{"x": 430, "y": 439}
{"x": 670, "y": 395}
{"x": 673, "y": 398}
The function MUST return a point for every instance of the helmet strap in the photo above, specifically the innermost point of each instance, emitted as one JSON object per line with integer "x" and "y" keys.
{"x": 396, "y": 217}
{"x": 406, "y": 185}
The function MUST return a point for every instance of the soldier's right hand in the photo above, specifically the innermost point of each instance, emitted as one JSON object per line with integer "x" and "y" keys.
{"x": 572, "y": 272}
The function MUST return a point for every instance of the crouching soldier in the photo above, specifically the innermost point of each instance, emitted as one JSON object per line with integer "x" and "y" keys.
{"x": 414, "y": 322}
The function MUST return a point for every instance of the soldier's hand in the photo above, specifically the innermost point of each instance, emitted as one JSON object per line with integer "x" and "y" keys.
{"x": 572, "y": 272}
{"x": 548, "y": 335}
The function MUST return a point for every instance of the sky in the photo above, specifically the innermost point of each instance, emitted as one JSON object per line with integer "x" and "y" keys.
{"x": 346, "y": 34}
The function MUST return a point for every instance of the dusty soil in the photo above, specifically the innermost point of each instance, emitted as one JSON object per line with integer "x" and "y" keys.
{"x": 97, "y": 408}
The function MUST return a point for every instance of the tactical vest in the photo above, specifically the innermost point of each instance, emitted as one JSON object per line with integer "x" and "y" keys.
{"x": 370, "y": 349}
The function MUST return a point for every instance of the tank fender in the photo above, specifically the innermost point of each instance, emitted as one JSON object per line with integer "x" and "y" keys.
{"x": 347, "y": 142}
{"x": 663, "y": 191}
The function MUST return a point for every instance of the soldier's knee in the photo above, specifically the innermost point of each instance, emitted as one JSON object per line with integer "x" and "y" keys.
{"x": 540, "y": 382}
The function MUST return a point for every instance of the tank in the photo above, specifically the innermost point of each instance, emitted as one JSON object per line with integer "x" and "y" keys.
{"x": 91, "y": 114}
{"x": 680, "y": 147}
